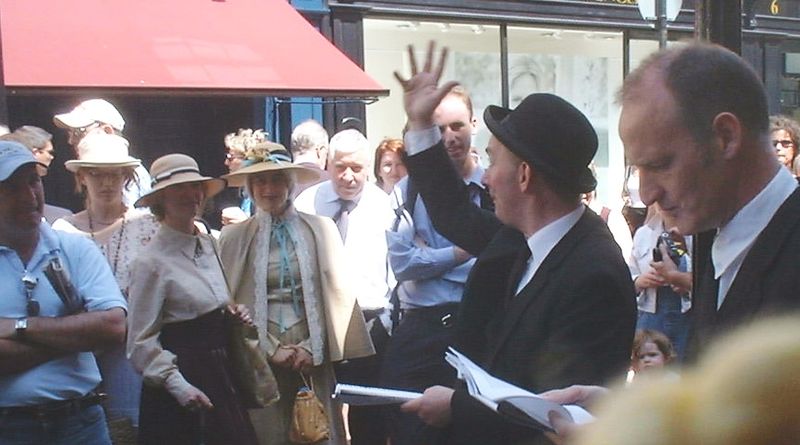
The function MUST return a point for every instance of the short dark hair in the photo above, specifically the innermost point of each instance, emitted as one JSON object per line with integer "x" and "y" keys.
{"x": 705, "y": 80}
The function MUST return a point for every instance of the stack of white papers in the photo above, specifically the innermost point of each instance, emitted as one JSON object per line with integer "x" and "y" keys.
{"x": 368, "y": 395}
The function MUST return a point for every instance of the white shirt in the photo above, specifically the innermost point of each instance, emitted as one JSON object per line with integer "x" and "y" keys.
{"x": 365, "y": 243}
{"x": 734, "y": 240}
{"x": 543, "y": 241}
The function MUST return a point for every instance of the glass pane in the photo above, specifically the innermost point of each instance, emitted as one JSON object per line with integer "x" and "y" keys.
{"x": 474, "y": 61}
{"x": 585, "y": 68}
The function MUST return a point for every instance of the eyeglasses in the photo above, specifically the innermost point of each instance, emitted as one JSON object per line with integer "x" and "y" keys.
{"x": 104, "y": 174}
{"x": 32, "y": 306}
{"x": 231, "y": 156}
{"x": 79, "y": 133}
{"x": 785, "y": 143}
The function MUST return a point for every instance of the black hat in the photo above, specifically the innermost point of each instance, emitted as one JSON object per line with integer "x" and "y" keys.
{"x": 552, "y": 135}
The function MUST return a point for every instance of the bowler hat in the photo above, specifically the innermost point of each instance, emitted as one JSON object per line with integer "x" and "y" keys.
{"x": 552, "y": 135}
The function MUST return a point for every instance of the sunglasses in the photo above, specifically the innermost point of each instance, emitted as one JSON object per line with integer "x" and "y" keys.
{"x": 79, "y": 133}
{"x": 32, "y": 305}
{"x": 231, "y": 156}
{"x": 785, "y": 143}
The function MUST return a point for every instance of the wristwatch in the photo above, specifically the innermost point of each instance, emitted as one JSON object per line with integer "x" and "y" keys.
{"x": 21, "y": 326}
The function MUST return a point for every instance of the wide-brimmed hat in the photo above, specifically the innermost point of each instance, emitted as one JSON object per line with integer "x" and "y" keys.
{"x": 89, "y": 112}
{"x": 102, "y": 150}
{"x": 551, "y": 134}
{"x": 177, "y": 168}
{"x": 270, "y": 156}
{"x": 14, "y": 155}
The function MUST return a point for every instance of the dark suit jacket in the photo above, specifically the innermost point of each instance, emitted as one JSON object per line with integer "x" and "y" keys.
{"x": 767, "y": 283}
{"x": 573, "y": 323}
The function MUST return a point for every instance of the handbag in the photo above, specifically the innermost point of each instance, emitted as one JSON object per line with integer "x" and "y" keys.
{"x": 251, "y": 372}
{"x": 309, "y": 421}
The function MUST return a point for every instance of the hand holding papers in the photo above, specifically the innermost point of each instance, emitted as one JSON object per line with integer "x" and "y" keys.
{"x": 515, "y": 403}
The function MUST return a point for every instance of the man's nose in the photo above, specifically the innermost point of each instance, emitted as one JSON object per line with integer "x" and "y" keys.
{"x": 649, "y": 190}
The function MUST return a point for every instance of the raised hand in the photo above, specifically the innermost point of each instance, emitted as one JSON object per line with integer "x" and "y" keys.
{"x": 421, "y": 92}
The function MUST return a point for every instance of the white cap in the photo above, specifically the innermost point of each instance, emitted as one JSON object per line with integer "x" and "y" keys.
{"x": 89, "y": 112}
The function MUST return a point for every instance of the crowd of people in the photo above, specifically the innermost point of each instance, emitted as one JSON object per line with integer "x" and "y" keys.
{"x": 363, "y": 265}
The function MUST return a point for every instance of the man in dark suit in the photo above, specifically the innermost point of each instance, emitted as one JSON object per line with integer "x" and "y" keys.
{"x": 563, "y": 314}
{"x": 695, "y": 122}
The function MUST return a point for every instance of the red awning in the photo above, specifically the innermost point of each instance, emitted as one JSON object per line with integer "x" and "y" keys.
{"x": 260, "y": 47}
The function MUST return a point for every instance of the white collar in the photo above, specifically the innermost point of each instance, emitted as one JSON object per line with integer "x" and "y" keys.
{"x": 544, "y": 239}
{"x": 735, "y": 238}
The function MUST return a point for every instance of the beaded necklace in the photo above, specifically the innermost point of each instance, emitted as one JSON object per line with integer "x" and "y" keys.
{"x": 119, "y": 241}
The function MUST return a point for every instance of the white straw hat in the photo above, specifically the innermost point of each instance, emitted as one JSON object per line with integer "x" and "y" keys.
{"x": 99, "y": 150}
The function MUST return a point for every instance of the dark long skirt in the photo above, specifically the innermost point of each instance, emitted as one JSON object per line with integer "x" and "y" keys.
{"x": 200, "y": 345}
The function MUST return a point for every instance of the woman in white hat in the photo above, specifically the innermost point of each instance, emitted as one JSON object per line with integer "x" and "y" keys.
{"x": 286, "y": 267}
{"x": 177, "y": 328}
{"x": 101, "y": 174}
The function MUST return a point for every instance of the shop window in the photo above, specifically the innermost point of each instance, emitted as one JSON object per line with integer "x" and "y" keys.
{"x": 474, "y": 61}
{"x": 585, "y": 68}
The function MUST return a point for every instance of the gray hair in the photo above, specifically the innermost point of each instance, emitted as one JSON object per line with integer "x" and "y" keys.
{"x": 348, "y": 141}
{"x": 31, "y": 137}
{"x": 308, "y": 135}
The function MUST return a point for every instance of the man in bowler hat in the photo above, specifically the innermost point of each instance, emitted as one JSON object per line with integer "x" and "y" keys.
{"x": 549, "y": 302}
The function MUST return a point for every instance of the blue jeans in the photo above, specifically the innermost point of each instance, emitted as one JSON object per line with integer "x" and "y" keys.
{"x": 84, "y": 427}
{"x": 668, "y": 320}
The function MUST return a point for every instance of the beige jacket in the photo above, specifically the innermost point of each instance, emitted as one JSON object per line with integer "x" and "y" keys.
{"x": 344, "y": 332}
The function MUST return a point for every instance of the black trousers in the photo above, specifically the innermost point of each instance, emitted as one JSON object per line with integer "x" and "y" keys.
{"x": 414, "y": 360}
{"x": 367, "y": 424}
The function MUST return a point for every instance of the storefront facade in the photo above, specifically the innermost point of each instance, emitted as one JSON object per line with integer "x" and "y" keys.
{"x": 579, "y": 49}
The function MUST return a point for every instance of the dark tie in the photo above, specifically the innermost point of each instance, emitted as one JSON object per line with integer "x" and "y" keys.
{"x": 704, "y": 295}
{"x": 481, "y": 196}
{"x": 342, "y": 217}
{"x": 518, "y": 269}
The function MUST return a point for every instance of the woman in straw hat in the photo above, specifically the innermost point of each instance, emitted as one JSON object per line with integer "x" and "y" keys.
{"x": 285, "y": 266}
{"x": 177, "y": 336}
{"x": 101, "y": 175}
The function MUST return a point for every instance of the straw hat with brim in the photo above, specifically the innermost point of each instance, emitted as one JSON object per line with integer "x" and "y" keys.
{"x": 174, "y": 169}
{"x": 270, "y": 156}
{"x": 102, "y": 150}
{"x": 552, "y": 135}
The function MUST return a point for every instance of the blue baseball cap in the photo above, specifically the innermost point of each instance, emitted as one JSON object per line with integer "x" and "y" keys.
{"x": 14, "y": 155}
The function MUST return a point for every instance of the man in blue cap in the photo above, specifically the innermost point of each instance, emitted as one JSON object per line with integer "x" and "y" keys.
{"x": 60, "y": 302}
{"x": 549, "y": 301}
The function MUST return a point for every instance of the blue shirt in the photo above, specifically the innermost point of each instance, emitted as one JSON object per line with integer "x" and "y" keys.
{"x": 422, "y": 259}
{"x": 75, "y": 374}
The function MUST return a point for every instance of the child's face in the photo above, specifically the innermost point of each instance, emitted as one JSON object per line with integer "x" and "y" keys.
{"x": 649, "y": 356}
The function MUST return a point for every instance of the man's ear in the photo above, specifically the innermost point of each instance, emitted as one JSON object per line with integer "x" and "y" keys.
{"x": 474, "y": 123}
{"x": 524, "y": 176}
{"x": 728, "y": 133}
